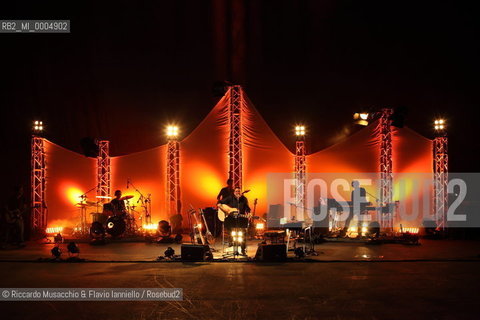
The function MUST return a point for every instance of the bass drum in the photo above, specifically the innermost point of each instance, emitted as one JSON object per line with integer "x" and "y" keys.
{"x": 115, "y": 226}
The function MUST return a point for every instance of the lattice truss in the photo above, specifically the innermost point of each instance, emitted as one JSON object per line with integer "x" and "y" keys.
{"x": 386, "y": 173}
{"x": 173, "y": 177}
{"x": 300, "y": 177}
{"x": 440, "y": 149}
{"x": 38, "y": 184}
{"x": 236, "y": 103}
{"x": 103, "y": 170}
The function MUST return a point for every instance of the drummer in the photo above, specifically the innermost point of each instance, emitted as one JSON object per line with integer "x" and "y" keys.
{"x": 118, "y": 204}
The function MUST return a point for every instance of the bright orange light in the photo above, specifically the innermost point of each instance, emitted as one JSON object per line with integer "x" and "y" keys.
{"x": 260, "y": 226}
{"x": 51, "y": 230}
{"x": 151, "y": 226}
{"x": 361, "y": 118}
{"x": 206, "y": 179}
{"x": 410, "y": 230}
{"x": 73, "y": 194}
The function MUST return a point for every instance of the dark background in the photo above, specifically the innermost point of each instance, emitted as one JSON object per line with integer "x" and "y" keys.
{"x": 127, "y": 68}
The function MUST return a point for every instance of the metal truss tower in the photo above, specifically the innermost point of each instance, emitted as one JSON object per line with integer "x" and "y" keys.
{"x": 236, "y": 103}
{"x": 300, "y": 176}
{"x": 386, "y": 173}
{"x": 440, "y": 159}
{"x": 173, "y": 176}
{"x": 38, "y": 185}
{"x": 103, "y": 170}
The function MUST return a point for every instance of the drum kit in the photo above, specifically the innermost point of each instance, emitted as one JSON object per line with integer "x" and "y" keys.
{"x": 103, "y": 216}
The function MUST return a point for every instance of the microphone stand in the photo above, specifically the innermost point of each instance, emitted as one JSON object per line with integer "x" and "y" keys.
{"x": 83, "y": 211}
{"x": 145, "y": 201}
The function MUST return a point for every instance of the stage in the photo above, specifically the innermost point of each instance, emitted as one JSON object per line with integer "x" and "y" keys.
{"x": 350, "y": 250}
{"x": 350, "y": 281}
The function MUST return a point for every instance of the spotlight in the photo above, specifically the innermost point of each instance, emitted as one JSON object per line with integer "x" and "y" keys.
{"x": 172, "y": 132}
{"x": 361, "y": 118}
{"x": 97, "y": 233}
{"x": 53, "y": 230}
{"x": 169, "y": 253}
{"x": 178, "y": 238}
{"x": 56, "y": 253}
{"x": 440, "y": 125}
{"x": 164, "y": 228}
{"x": 299, "y": 131}
{"x": 299, "y": 253}
{"x": 260, "y": 226}
{"x": 164, "y": 232}
{"x": 37, "y": 126}
{"x": 73, "y": 249}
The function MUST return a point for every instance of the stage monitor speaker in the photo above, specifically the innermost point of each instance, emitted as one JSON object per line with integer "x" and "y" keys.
{"x": 271, "y": 252}
{"x": 196, "y": 252}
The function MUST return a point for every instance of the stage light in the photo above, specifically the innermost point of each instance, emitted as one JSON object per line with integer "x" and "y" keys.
{"x": 37, "y": 126}
{"x": 299, "y": 253}
{"x": 299, "y": 130}
{"x": 56, "y": 252}
{"x": 97, "y": 232}
{"x": 440, "y": 124}
{"x": 172, "y": 131}
{"x": 149, "y": 227}
{"x": 260, "y": 226}
{"x": 73, "y": 249}
{"x": 411, "y": 230}
{"x": 52, "y": 230}
{"x": 361, "y": 118}
{"x": 169, "y": 253}
{"x": 234, "y": 233}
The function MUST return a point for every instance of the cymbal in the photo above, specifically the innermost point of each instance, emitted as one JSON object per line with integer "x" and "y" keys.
{"x": 126, "y": 197}
{"x": 103, "y": 197}
{"x": 85, "y": 204}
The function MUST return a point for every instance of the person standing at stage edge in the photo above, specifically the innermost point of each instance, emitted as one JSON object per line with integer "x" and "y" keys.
{"x": 226, "y": 191}
{"x": 13, "y": 223}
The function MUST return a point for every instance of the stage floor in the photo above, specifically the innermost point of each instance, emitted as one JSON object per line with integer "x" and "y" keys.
{"x": 327, "y": 251}
{"x": 349, "y": 283}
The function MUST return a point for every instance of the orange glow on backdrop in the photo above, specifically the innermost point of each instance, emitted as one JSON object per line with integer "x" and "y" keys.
{"x": 72, "y": 194}
{"x": 204, "y": 164}
{"x": 69, "y": 175}
{"x": 146, "y": 171}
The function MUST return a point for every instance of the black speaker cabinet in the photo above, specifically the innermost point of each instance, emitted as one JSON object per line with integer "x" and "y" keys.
{"x": 271, "y": 252}
{"x": 196, "y": 252}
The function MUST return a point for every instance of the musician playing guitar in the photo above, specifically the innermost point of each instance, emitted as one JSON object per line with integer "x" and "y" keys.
{"x": 236, "y": 204}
